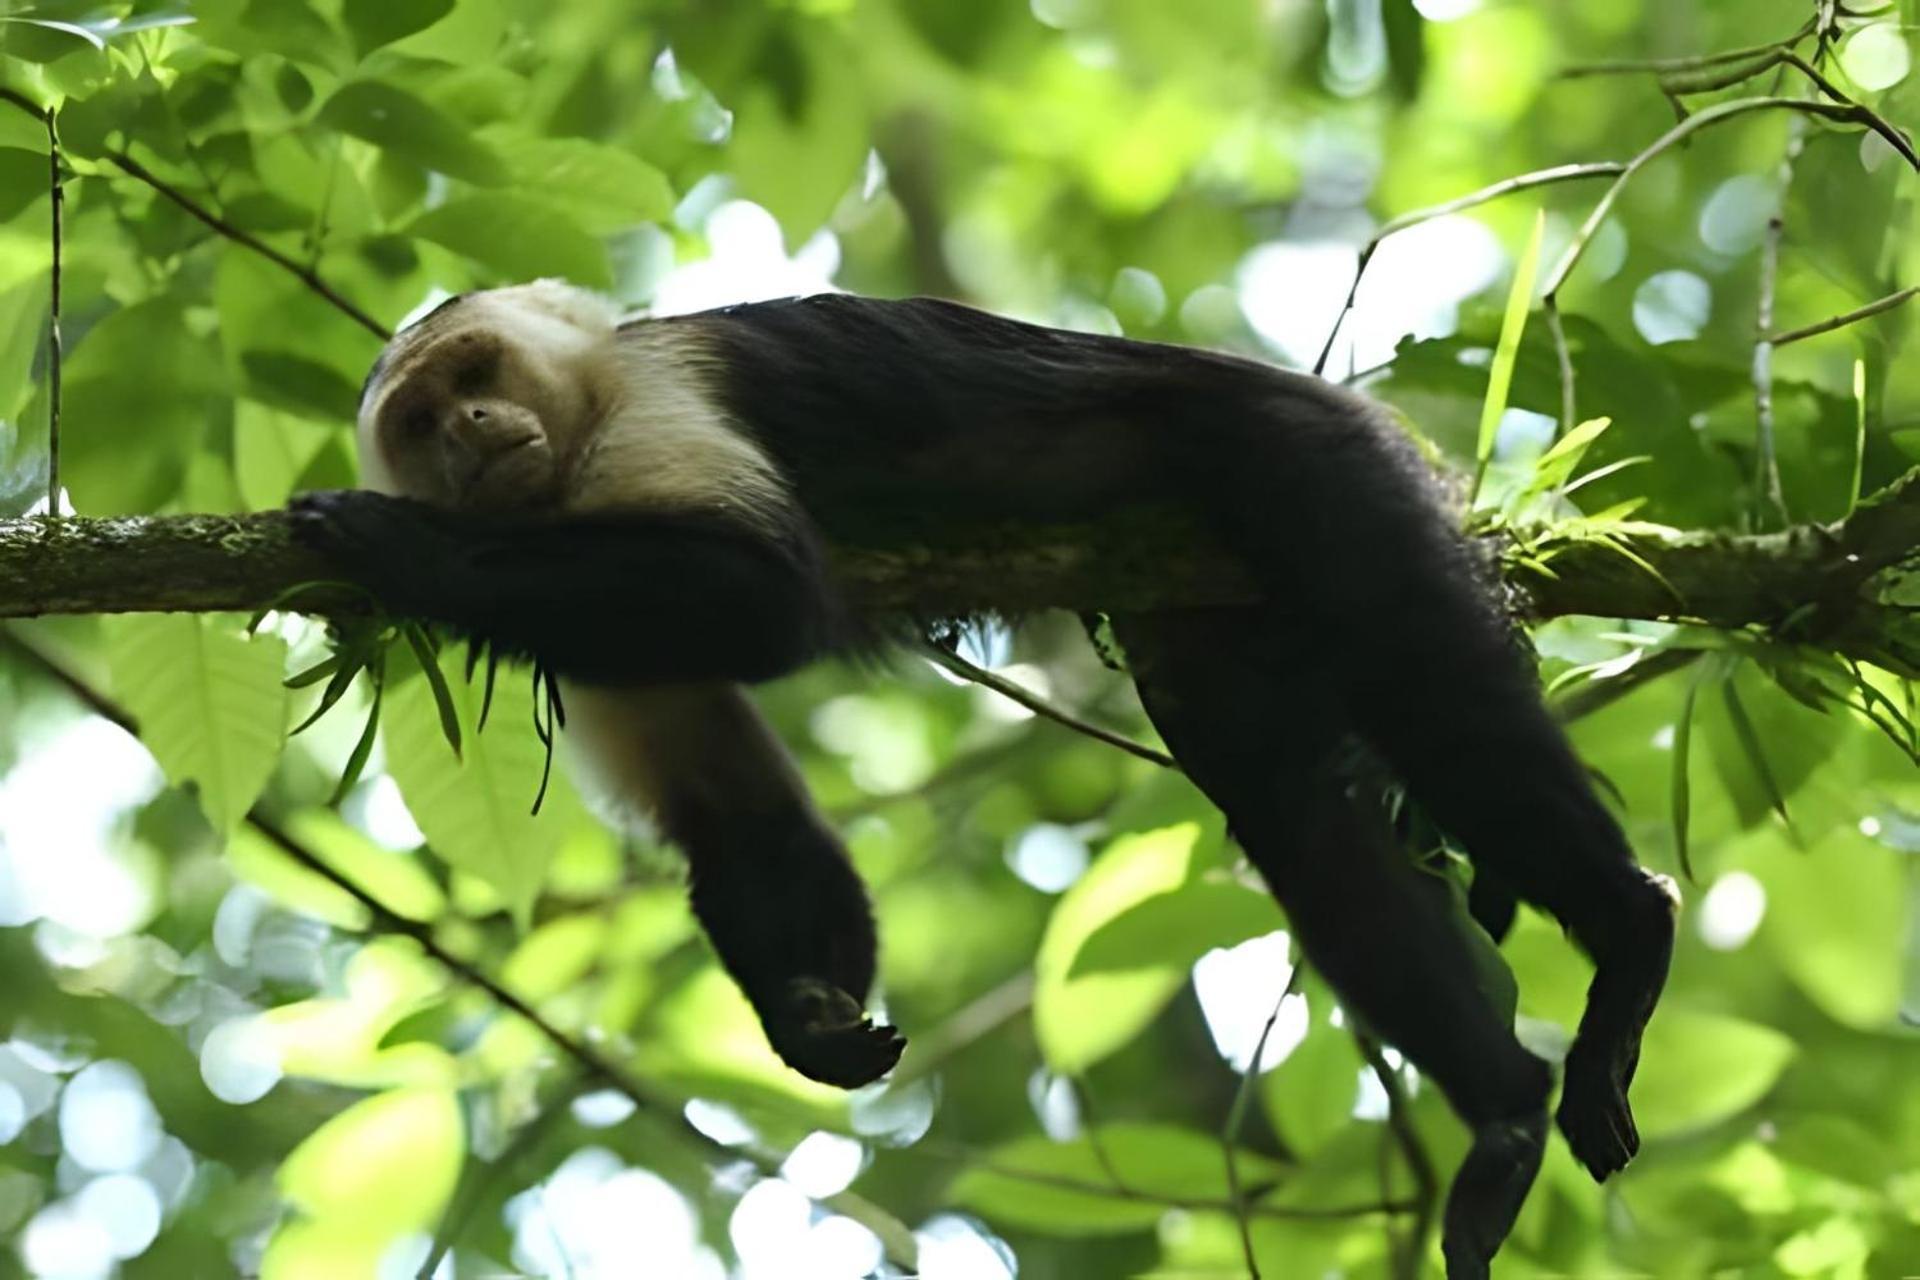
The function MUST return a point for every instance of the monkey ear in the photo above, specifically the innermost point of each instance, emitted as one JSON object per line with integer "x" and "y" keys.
{"x": 578, "y": 307}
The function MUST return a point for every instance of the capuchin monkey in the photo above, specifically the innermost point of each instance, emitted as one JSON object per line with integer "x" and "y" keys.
{"x": 640, "y": 507}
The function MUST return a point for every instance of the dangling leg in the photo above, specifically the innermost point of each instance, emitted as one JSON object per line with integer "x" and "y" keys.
{"x": 772, "y": 886}
{"x": 1257, "y": 727}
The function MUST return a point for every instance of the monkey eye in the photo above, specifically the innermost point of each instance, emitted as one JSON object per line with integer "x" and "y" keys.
{"x": 417, "y": 423}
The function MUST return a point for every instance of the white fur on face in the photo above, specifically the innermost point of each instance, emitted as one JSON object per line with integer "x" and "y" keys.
{"x": 667, "y": 442}
{"x": 661, "y": 441}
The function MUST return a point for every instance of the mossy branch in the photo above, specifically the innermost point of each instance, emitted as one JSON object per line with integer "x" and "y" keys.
{"x": 1132, "y": 560}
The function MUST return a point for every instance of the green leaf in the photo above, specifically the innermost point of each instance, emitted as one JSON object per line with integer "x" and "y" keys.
{"x": 396, "y": 120}
{"x": 474, "y": 808}
{"x": 23, "y": 179}
{"x": 1066, "y": 1189}
{"x": 606, "y": 188}
{"x": 1680, "y": 792}
{"x": 138, "y": 394}
{"x": 378, "y": 22}
{"x": 208, "y": 702}
{"x": 382, "y": 1166}
{"x": 1697, "y": 1069}
{"x": 1081, "y": 1019}
{"x": 1838, "y": 917}
{"x": 1500, "y": 378}
{"x": 1178, "y": 927}
{"x": 518, "y": 236}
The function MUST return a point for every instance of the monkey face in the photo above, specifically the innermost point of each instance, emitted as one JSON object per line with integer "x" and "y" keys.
{"x": 483, "y": 406}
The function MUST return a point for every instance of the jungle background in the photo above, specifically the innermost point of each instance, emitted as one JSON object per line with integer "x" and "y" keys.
{"x": 253, "y": 1022}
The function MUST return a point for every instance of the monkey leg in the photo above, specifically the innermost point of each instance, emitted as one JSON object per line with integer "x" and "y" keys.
{"x": 771, "y": 883}
{"x": 1258, "y": 729}
{"x": 1478, "y": 750}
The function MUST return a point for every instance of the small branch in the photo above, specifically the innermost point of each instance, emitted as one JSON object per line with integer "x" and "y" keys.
{"x": 1123, "y": 561}
{"x": 468, "y": 1195}
{"x": 982, "y": 1016}
{"x": 1041, "y": 707}
{"x": 134, "y": 169}
{"x": 1845, "y": 318}
{"x": 1286, "y": 1213}
{"x": 1236, "y": 1116}
{"x": 1716, "y": 114}
{"x": 57, "y": 198}
{"x": 1426, "y": 1198}
{"x": 1563, "y": 355}
{"x": 1695, "y": 62}
{"x": 1766, "y": 462}
{"x": 1521, "y": 182}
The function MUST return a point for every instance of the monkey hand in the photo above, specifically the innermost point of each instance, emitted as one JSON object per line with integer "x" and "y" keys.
{"x": 821, "y": 1032}
{"x": 397, "y": 548}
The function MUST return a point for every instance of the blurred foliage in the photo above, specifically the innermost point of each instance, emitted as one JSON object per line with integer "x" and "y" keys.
{"x": 212, "y": 1068}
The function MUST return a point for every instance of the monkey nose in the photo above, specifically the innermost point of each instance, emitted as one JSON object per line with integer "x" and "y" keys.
{"x": 476, "y": 413}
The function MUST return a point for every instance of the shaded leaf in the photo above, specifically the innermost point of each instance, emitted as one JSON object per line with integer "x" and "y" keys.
{"x": 208, "y": 702}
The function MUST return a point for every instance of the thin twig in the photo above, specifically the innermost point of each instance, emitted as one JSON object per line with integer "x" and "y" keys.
{"x": 977, "y": 1161}
{"x": 1695, "y": 62}
{"x": 1041, "y": 707}
{"x": 57, "y": 199}
{"x": 1563, "y": 355}
{"x": 894, "y": 1235}
{"x": 468, "y": 1195}
{"x": 1766, "y": 462}
{"x": 1507, "y": 186}
{"x": 134, "y": 169}
{"x": 1845, "y": 318}
{"x": 1426, "y": 1185}
{"x": 980, "y": 1017}
{"x": 1895, "y": 138}
{"x": 1713, "y": 115}
{"x": 1236, "y": 1115}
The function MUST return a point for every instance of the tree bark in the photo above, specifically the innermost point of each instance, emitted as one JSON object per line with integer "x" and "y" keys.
{"x": 1132, "y": 560}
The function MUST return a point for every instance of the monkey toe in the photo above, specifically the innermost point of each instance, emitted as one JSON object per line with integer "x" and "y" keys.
{"x": 1488, "y": 1191}
{"x": 1595, "y": 1117}
{"x": 821, "y": 1032}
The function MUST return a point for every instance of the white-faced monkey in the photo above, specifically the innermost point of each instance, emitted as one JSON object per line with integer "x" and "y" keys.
{"x": 640, "y": 507}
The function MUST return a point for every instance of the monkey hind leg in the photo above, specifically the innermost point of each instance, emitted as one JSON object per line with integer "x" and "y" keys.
{"x": 1256, "y": 725}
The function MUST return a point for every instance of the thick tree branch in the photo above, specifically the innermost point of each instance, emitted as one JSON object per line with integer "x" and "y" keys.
{"x": 1132, "y": 560}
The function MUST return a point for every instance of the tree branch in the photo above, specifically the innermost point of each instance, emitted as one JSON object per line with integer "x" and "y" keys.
{"x": 1133, "y": 559}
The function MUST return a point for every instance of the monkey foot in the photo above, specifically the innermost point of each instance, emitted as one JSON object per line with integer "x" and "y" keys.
{"x": 822, "y": 1032}
{"x": 1593, "y": 1113}
{"x": 1488, "y": 1191}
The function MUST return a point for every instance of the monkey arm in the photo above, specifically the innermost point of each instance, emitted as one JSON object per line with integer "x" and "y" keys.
{"x": 623, "y": 598}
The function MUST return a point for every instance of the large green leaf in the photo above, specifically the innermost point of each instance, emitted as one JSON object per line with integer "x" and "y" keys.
{"x": 1838, "y": 918}
{"x": 475, "y": 809}
{"x": 604, "y": 188}
{"x": 208, "y": 702}
{"x": 1697, "y": 1069}
{"x": 1082, "y": 1018}
{"x": 1178, "y": 927}
{"x": 382, "y": 1166}
{"x": 391, "y": 117}
{"x": 138, "y": 394}
{"x": 519, "y": 236}
{"x": 377, "y": 22}
{"x": 1067, "y": 1188}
